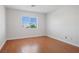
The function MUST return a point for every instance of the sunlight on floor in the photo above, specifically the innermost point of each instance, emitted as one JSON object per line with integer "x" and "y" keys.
{"x": 31, "y": 48}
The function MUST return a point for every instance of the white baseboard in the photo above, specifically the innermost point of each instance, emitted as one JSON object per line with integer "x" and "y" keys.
{"x": 2, "y": 44}
{"x": 63, "y": 41}
{"x": 24, "y": 37}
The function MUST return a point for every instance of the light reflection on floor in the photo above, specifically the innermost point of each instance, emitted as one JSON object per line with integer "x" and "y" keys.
{"x": 30, "y": 48}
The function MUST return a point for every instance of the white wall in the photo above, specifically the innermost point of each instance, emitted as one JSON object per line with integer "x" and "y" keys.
{"x": 2, "y": 26}
{"x": 64, "y": 22}
{"x": 16, "y": 30}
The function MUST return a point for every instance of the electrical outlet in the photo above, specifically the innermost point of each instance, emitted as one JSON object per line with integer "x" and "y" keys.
{"x": 65, "y": 37}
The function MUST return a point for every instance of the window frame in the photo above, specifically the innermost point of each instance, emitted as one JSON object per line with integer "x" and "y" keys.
{"x": 25, "y": 26}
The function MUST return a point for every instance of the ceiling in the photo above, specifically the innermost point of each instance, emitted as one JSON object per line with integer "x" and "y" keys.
{"x": 35, "y": 8}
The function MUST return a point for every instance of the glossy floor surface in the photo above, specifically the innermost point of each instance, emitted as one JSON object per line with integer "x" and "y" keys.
{"x": 38, "y": 45}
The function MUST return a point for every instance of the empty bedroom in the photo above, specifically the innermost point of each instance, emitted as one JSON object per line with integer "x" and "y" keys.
{"x": 39, "y": 29}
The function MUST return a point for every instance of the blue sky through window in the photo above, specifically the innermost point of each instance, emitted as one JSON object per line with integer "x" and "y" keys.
{"x": 33, "y": 20}
{"x": 25, "y": 20}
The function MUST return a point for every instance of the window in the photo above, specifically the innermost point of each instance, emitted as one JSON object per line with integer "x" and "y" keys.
{"x": 29, "y": 22}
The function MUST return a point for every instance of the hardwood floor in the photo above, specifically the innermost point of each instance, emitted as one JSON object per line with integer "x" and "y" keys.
{"x": 38, "y": 44}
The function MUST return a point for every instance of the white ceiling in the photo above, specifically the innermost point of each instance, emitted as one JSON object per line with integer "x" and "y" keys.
{"x": 37, "y": 8}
